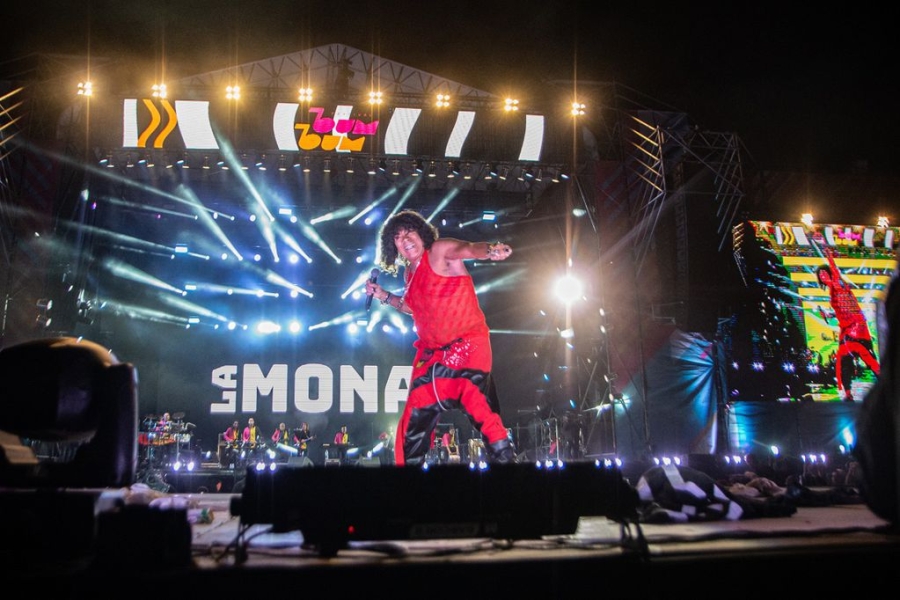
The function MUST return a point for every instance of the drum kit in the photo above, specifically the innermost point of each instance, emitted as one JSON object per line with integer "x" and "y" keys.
{"x": 163, "y": 443}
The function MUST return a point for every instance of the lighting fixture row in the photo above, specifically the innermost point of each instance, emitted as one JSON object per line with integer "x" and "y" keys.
{"x": 418, "y": 167}
{"x": 305, "y": 95}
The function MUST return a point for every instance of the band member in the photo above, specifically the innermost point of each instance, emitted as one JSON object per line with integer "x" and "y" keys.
{"x": 854, "y": 339}
{"x": 231, "y": 440}
{"x": 251, "y": 435}
{"x": 233, "y": 434}
{"x": 164, "y": 423}
{"x": 452, "y": 365}
{"x": 341, "y": 442}
{"x": 302, "y": 438}
{"x": 387, "y": 446}
{"x": 283, "y": 435}
{"x": 450, "y": 444}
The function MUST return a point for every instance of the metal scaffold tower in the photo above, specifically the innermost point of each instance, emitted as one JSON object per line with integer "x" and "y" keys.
{"x": 664, "y": 165}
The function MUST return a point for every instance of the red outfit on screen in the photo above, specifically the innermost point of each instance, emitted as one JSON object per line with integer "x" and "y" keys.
{"x": 855, "y": 339}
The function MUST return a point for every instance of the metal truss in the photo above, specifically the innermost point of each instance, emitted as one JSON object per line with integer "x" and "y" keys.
{"x": 340, "y": 69}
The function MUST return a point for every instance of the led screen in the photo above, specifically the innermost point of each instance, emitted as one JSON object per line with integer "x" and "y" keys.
{"x": 808, "y": 329}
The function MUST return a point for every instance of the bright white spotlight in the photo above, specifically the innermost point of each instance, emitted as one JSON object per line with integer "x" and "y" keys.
{"x": 568, "y": 289}
{"x": 267, "y": 327}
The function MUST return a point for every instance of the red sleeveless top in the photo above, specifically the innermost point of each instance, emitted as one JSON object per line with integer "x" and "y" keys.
{"x": 443, "y": 308}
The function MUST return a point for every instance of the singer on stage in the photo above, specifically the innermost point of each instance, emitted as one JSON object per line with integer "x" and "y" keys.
{"x": 452, "y": 364}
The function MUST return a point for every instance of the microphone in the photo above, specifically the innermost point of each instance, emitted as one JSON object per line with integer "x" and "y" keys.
{"x": 373, "y": 277}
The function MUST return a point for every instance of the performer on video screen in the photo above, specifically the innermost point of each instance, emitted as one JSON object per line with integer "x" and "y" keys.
{"x": 854, "y": 339}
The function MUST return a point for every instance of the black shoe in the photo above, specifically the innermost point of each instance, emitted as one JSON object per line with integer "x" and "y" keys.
{"x": 502, "y": 451}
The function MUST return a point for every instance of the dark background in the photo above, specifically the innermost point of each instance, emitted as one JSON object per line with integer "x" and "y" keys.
{"x": 805, "y": 89}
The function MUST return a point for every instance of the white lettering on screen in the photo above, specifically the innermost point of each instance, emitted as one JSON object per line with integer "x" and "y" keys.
{"x": 313, "y": 389}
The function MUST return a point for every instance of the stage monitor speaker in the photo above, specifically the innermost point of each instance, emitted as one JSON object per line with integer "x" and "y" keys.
{"x": 299, "y": 461}
{"x": 197, "y": 482}
{"x": 502, "y": 501}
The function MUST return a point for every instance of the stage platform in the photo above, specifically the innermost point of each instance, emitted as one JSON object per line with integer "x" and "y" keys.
{"x": 839, "y": 549}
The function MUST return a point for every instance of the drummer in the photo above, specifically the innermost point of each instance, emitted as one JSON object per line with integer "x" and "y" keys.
{"x": 164, "y": 423}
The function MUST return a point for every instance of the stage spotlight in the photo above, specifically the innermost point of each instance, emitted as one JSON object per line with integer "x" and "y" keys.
{"x": 372, "y": 167}
{"x": 431, "y": 170}
{"x": 396, "y": 170}
{"x": 326, "y": 166}
{"x": 44, "y": 304}
{"x": 568, "y": 289}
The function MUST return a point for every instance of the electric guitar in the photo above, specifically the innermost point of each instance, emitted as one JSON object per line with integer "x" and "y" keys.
{"x": 304, "y": 444}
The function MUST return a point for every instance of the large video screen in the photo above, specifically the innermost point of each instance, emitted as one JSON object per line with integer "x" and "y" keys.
{"x": 808, "y": 330}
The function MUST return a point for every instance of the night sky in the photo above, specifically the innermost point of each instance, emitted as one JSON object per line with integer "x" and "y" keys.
{"x": 804, "y": 90}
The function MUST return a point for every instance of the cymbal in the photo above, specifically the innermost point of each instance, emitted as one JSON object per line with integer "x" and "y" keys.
{"x": 178, "y": 415}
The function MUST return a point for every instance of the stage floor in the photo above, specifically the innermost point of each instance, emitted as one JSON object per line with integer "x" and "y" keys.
{"x": 841, "y": 549}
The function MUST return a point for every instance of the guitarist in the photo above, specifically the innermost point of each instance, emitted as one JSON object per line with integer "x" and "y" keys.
{"x": 302, "y": 438}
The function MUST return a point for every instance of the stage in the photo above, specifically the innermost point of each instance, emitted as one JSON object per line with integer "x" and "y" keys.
{"x": 195, "y": 543}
